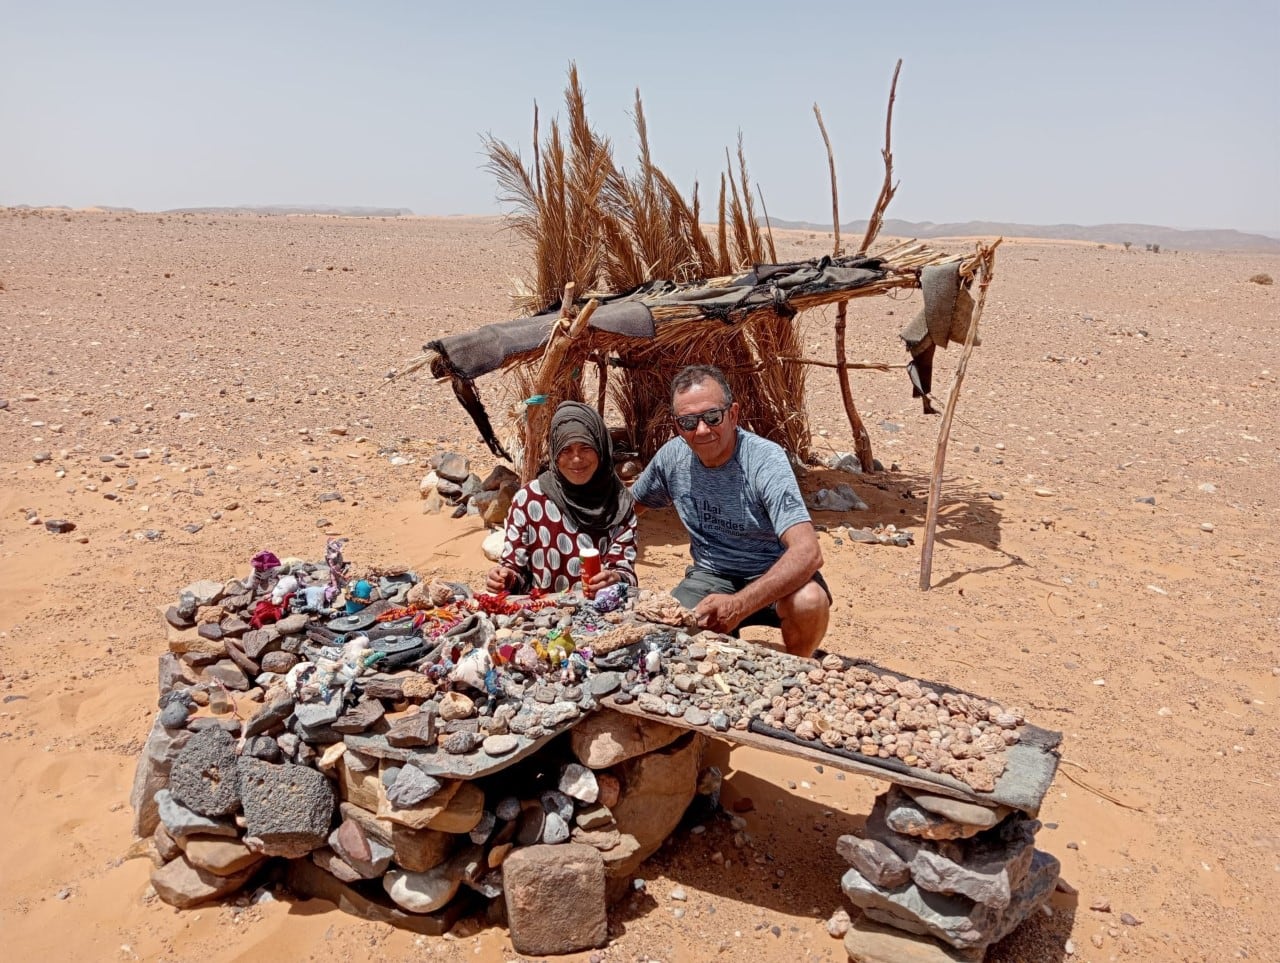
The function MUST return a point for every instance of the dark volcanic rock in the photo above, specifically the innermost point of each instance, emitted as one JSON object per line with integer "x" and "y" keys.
{"x": 203, "y": 777}
{"x": 287, "y": 808}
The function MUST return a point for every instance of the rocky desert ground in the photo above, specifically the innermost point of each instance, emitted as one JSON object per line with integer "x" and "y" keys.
{"x": 189, "y": 390}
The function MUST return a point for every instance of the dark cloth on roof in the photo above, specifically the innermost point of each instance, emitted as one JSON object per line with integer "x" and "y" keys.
{"x": 473, "y": 353}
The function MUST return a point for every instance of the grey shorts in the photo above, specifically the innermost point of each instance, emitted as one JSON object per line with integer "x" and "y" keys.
{"x": 699, "y": 583}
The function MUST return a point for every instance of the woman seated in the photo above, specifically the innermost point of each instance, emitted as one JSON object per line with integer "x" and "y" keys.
{"x": 577, "y": 503}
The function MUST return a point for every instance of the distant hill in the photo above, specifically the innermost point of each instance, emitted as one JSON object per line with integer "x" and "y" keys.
{"x": 297, "y": 209}
{"x": 1140, "y": 235}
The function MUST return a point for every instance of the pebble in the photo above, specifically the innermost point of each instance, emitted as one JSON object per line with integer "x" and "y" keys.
{"x": 41, "y": 457}
{"x": 500, "y": 745}
{"x": 60, "y": 526}
{"x": 1206, "y": 526}
{"x": 1045, "y": 492}
{"x": 679, "y": 894}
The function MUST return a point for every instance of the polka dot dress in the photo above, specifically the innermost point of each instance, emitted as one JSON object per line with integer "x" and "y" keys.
{"x": 543, "y": 544}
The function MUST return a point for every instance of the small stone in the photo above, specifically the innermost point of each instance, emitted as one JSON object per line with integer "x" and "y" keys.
{"x": 60, "y": 526}
{"x": 500, "y": 745}
{"x": 679, "y": 894}
{"x": 1206, "y": 526}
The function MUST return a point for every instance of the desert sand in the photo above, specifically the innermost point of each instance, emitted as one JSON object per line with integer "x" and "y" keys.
{"x": 1106, "y": 560}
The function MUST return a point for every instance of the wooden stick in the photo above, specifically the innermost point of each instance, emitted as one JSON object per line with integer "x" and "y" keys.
{"x": 538, "y": 416}
{"x": 887, "y": 189}
{"x": 988, "y": 257}
{"x": 602, "y": 382}
{"x": 861, "y": 440}
{"x": 853, "y": 365}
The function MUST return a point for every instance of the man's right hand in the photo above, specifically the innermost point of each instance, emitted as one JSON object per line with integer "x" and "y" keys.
{"x": 500, "y": 579}
{"x": 720, "y": 613}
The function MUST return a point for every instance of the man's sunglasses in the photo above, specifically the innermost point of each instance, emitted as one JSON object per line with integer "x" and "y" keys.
{"x": 712, "y": 417}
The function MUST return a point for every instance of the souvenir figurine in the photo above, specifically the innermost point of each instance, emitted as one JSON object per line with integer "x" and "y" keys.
{"x": 559, "y": 647}
{"x": 361, "y": 594}
{"x": 284, "y": 588}
{"x": 337, "y": 568}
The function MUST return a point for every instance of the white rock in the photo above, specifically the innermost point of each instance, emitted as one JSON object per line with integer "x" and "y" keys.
{"x": 428, "y": 484}
{"x": 492, "y": 545}
{"x": 420, "y": 892}
{"x": 579, "y": 782}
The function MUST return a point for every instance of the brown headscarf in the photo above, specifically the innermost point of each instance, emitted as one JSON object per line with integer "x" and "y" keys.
{"x": 603, "y": 501}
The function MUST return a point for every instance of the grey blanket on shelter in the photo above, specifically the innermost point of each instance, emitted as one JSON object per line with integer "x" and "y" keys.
{"x": 945, "y": 317}
{"x": 473, "y": 353}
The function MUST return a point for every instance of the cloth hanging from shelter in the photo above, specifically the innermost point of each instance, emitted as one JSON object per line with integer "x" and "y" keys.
{"x": 945, "y": 317}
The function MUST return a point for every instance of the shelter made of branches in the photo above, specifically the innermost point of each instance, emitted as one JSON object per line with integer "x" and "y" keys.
{"x": 627, "y": 286}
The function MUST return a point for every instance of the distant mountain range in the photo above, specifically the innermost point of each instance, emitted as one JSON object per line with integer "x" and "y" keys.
{"x": 1139, "y": 235}
{"x": 297, "y": 209}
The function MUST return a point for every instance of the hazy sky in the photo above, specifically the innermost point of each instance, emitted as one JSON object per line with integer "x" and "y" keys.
{"x": 1082, "y": 112}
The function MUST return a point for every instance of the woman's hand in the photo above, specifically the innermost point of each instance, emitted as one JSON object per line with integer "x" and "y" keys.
{"x": 602, "y": 579}
{"x": 500, "y": 579}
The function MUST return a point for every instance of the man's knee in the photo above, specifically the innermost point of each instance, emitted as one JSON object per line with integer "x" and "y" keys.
{"x": 805, "y": 602}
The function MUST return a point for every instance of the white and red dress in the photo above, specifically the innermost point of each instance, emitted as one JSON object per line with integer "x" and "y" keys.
{"x": 542, "y": 544}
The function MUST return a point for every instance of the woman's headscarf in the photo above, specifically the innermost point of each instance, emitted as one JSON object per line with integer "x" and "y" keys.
{"x": 603, "y": 501}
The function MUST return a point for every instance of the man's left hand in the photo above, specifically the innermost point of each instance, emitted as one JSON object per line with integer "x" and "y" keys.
{"x": 720, "y": 613}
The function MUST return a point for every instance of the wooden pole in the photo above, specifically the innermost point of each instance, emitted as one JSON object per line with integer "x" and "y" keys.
{"x": 986, "y": 268}
{"x": 861, "y": 440}
{"x": 887, "y": 189}
{"x": 547, "y": 374}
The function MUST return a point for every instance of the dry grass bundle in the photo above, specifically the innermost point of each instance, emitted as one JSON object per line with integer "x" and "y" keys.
{"x": 592, "y": 224}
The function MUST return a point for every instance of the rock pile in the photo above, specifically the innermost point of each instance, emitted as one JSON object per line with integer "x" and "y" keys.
{"x": 962, "y": 874}
{"x": 287, "y": 740}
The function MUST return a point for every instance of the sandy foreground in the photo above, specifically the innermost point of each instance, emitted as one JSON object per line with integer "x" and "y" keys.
{"x": 1146, "y": 633}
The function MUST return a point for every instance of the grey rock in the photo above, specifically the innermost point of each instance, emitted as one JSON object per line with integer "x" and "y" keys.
{"x": 554, "y": 801}
{"x": 174, "y": 715}
{"x": 696, "y": 717}
{"x": 874, "y": 860}
{"x": 203, "y": 777}
{"x": 719, "y": 721}
{"x": 412, "y": 786}
{"x": 292, "y": 624}
{"x": 955, "y": 920}
{"x": 459, "y": 743}
{"x": 313, "y": 715}
{"x": 181, "y": 822}
{"x": 279, "y": 662}
{"x": 483, "y": 829}
{"x": 360, "y": 717}
{"x": 270, "y": 716}
{"x": 558, "y": 714}
{"x": 508, "y": 808}
{"x": 555, "y": 830}
{"x": 262, "y": 747}
{"x": 152, "y": 775}
{"x": 258, "y": 642}
{"x": 287, "y": 808}
{"x": 603, "y": 683}
{"x": 453, "y": 467}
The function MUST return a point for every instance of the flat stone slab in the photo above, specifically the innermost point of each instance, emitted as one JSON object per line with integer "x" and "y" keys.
{"x": 869, "y": 942}
{"x": 435, "y": 762}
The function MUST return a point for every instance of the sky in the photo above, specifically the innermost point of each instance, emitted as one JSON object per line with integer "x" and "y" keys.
{"x": 1084, "y": 112}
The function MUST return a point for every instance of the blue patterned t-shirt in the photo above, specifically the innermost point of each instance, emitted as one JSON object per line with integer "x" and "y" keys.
{"x": 735, "y": 514}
